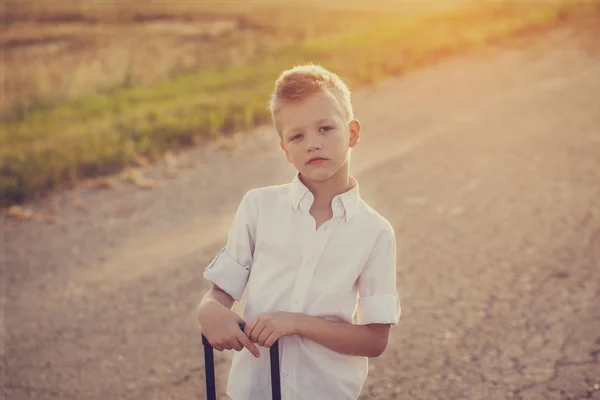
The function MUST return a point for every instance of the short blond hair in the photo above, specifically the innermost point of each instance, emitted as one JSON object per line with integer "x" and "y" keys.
{"x": 299, "y": 82}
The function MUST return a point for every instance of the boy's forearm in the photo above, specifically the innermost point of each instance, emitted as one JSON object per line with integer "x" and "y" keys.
{"x": 345, "y": 338}
{"x": 216, "y": 294}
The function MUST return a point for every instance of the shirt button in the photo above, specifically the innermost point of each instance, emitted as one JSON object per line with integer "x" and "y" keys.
{"x": 286, "y": 374}
{"x": 296, "y": 301}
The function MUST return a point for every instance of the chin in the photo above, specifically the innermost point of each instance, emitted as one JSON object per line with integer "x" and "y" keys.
{"x": 317, "y": 175}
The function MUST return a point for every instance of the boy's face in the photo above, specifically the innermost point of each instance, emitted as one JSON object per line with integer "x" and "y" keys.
{"x": 315, "y": 136}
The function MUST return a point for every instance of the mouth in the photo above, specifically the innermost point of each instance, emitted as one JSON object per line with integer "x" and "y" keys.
{"x": 316, "y": 160}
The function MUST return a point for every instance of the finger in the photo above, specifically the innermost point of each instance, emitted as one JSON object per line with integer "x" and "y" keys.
{"x": 218, "y": 348}
{"x": 264, "y": 335}
{"x": 271, "y": 339}
{"x": 248, "y": 344}
{"x": 227, "y": 346}
{"x": 250, "y": 325}
{"x": 257, "y": 330}
{"x": 237, "y": 346}
{"x": 214, "y": 344}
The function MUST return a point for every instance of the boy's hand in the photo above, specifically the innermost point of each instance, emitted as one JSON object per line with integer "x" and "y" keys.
{"x": 221, "y": 328}
{"x": 266, "y": 328}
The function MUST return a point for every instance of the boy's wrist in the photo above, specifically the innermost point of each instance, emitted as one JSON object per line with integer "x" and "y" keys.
{"x": 299, "y": 322}
{"x": 209, "y": 306}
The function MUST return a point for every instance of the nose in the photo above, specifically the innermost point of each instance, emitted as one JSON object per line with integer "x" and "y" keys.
{"x": 314, "y": 143}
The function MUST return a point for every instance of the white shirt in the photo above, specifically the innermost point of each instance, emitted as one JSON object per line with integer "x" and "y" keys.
{"x": 343, "y": 271}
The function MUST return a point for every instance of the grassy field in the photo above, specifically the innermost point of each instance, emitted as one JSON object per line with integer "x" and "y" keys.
{"x": 91, "y": 87}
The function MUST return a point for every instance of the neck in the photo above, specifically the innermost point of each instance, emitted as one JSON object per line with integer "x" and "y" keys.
{"x": 325, "y": 191}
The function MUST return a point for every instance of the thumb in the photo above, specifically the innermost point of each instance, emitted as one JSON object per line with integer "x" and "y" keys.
{"x": 241, "y": 323}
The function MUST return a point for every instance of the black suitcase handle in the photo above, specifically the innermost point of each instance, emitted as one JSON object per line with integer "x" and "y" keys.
{"x": 209, "y": 368}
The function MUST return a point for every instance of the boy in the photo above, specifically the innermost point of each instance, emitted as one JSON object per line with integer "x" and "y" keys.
{"x": 308, "y": 253}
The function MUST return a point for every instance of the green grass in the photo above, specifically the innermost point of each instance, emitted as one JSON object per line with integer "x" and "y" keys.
{"x": 103, "y": 133}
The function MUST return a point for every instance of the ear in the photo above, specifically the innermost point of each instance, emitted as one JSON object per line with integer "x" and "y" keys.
{"x": 285, "y": 151}
{"x": 354, "y": 129}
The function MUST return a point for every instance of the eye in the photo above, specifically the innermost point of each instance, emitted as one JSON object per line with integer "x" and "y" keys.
{"x": 326, "y": 128}
{"x": 296, "y": 136}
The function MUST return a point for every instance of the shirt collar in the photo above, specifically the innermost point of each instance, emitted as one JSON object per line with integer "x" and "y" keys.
{"x": 347, "y": 201}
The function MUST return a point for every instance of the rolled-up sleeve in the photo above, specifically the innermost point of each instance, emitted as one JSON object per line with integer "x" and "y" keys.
{"x": 230, "y": 269}
{"x": 378, "y": 300}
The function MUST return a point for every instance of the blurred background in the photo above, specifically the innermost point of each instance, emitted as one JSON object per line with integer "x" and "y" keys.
{"x": 130, "y": 130}
{"x": 93, "y": 86}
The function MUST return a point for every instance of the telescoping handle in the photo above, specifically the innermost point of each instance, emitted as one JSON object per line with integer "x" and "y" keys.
{"x": 209, "y": 369}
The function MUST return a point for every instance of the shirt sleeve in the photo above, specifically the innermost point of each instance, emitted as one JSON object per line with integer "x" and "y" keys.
{"x": 230, "y": 269}
{"x": 378, "y": 300}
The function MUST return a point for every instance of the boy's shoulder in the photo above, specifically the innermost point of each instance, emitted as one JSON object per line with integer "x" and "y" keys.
{"x": 268, "y": 193}
{"x": 369, "y": 216}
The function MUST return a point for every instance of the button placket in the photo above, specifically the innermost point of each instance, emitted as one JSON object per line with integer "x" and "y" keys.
{"x": 288, "y": 365}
